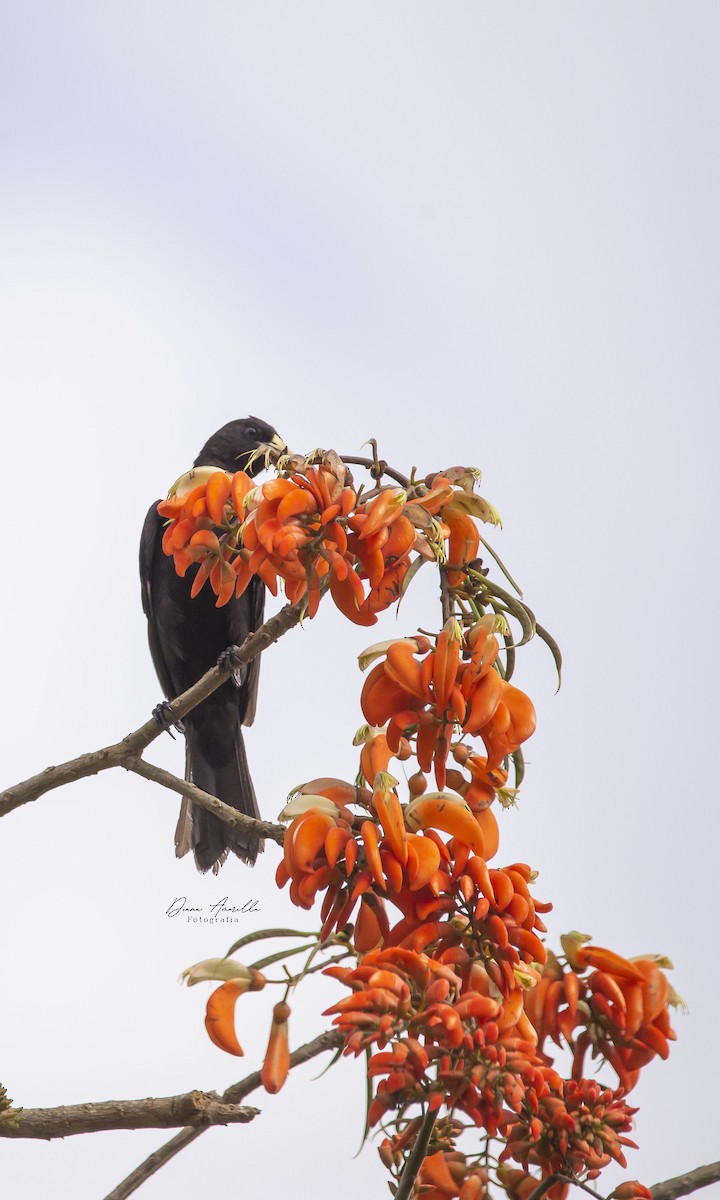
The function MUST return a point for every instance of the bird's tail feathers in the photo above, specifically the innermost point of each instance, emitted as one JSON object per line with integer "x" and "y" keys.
{"x": 220, "y": 768}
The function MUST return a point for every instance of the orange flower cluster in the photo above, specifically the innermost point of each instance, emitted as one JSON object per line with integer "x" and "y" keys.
{"x": 576, "y": 1129}
{"x": 621, "y": 1009}
{"x": 445, "y": 892}
{"x": 454, "y": 996}
{"x": 220, "y": 1015}
{"x": 426, "y": 697}
{"x": 518, "y": 1185}
{"x": 307, "y": 528}
{"x": 201, "y": 501}
{"x": 452, "y": 1043}
{"x": 289, "y": 528}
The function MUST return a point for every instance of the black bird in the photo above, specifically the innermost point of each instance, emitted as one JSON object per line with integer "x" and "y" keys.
{"x": 187, "y": 636}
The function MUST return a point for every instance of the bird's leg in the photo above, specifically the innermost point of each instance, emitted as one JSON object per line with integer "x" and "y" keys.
{"x": 166, "y": 718}
{"x": 228, "y": 662}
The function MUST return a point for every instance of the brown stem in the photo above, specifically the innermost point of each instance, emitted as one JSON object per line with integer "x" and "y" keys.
{"x": 225, "y": 812}
{"x": 558, "y": 1177}
{"x": 544, "y": 1186}
{"x": 325, "y": 1041}
{"x": 197, "y": 1109}
{"x": 682, "y": 1185}
{"x": 359, "y": 461}
{"x": 445, "y": 596}
{"x": 133, "y": 745}
{"x": 416, "y": 1156}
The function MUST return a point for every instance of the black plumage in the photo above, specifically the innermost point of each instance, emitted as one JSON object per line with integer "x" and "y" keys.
{"x": 187, "y": 636}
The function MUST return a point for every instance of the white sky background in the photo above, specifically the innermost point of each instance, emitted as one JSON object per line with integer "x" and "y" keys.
{"x": 483, "y": 233}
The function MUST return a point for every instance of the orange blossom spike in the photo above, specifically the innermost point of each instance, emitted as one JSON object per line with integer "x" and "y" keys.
{"x": 277, "y": 1058}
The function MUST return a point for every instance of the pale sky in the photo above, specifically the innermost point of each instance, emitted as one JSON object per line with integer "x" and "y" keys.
{"x": 483, "y": 234}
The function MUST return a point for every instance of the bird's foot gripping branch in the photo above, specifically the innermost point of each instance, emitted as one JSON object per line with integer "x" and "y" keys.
{"x": 453, "y": 996}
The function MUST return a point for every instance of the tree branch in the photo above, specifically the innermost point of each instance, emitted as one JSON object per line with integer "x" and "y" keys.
{"x": 358, "y": 461}
{"x": 682, "y": 1185}
{"x": 164, "y": 1112}
{"x": 132, "y": 746}
{"x": 330, "y": 1040}
{"x": 229, "y": 815}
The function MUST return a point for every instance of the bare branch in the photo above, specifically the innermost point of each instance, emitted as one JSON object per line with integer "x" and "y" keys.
{"x": 164, "y": 1112}
{"x": 325, "y": 1041}
{"x": 134, "y": 744}
{"x": 357, "y": 461}
{"x": 224, "y": 812}
{"x": 683, "y": 1185}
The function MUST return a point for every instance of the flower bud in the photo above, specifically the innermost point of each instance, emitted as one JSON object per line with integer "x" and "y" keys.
{"x": 277, "y": 1058}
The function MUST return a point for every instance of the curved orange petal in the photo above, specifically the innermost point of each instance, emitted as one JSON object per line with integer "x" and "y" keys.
{"x": 220, "y": 1016}
{"x": 218, "y": 489}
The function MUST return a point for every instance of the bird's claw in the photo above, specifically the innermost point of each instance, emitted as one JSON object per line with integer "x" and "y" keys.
{"x": 227, "y": 660}
{"x": 166, "y": 718}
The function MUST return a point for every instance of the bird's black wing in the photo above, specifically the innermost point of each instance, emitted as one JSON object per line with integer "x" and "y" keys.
{"x": 150, "y": 547}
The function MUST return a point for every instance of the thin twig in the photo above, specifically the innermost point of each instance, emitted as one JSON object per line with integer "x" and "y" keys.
{"x": 358, "y": 461}
{"x": 416, "y": 1156}
{"x": 225, "y": 812}
{"x": 325, "y": 1041}
{"x": 682, "y": 1185}
{"x": 134, "y": 744}
{"x": 585, "y": 1187}
{"x": 544, "y": 1186}
{"x": 445, "y": 596}
{"x": 162, "y": 1112}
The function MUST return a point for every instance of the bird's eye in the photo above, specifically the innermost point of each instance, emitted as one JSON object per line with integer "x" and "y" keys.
{"x": 252, "y": 430}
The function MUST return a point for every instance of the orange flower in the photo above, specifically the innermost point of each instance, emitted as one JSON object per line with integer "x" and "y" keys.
{"x": 220, "y": 1012}
{"x": 441, "y": 1175}
{"x": 520, "y": 1186}
{"x": 307, "y": 529}
{"x": 447, "y": 1042}
{"x": 512, "y": 723}
{"x": 576, "y": 1128}
{"x": 276, "y": 1065}
{"x": 631, "y": 1190}
{"x": 623, "y": 1017}
{"x": 464, "y": 541}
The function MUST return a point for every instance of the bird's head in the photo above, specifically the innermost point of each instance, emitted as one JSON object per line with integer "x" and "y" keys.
{"x": 231, "y": 447}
